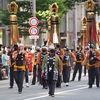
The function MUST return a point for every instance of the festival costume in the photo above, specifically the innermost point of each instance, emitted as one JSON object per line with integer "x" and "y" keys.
{"x": 19, "y": 68}
{"x": 11, "y": 64}
{"x": 35, "y": 68}
{"x": 51, "y": 67}
{"x": 60, "y": 54}
{"x": 78, "y": 66}
{"x": 42, "y": 80}
{"x": 68, "y": 59}
{"x": 92, "y": 62}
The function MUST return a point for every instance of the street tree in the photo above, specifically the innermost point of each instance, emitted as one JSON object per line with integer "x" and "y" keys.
{"x": 23, "y": 15}
{"x": 43, "y": 11}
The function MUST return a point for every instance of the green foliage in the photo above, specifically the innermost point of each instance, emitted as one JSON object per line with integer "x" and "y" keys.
{"x": 44, "y": 14}
{"x": 43, "y": 11}
{"x": 0, "y": 12}
{"x": 4, "y": 17}
{"x": 43, "y": 5}
{"x": 23, "y": 15}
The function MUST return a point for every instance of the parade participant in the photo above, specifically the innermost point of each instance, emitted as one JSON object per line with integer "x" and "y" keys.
{"x": 60, "y": 52}
{"x": 8, "y": 51}
{"x": 64, "y": 49}
{"x": 11, "y": 64}
{"x": 27, "y": 69}
{"x": 68, "y": 59}
{"x": 30, "y": 60}
{"x": 20, "y": 57}
{"x": 78, "y": 66}
{"x": 40, "y": 57}
{"x": 85, "y": 55}
{"x": 51, "y": 67}
{"x": 92, "y": 61}
{"x": 35, "y": 69}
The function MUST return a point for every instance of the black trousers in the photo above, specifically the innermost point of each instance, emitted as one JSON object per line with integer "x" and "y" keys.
{"x": 78, "y": 66}
{"x": 58, "y": 83}
{"x": 66, "y": 74}
{"x": 51, "y": 84}
{"x": 19, "y": 77}
{"x": 34, "y": 75}
{"x": 84, "y": 70}
{"x": 93, "y": 73}
{"x": 44, "y": 83}
{"x": 26, "y": 76}
{"x": 11, "y": 76}
{"x": 39, "y": 75}
{"x": 99, "y": 73}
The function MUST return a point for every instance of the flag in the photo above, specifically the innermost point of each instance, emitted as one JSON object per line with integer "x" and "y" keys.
{"x": 85, "y": 38}
{"x": 94, "y": 35}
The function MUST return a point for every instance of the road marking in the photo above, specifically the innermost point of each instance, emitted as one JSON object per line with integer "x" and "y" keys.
{"x": 20, "y": 97}
{"x": 72, "y": 90}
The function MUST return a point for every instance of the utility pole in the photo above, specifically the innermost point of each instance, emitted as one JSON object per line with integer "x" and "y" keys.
{"x": 33, "y": 8}
{"x": 33, "y": 5}
{"x": 75, "y": 27}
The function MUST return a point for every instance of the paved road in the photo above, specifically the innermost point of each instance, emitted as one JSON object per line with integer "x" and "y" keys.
{"x": 77, "y": 90}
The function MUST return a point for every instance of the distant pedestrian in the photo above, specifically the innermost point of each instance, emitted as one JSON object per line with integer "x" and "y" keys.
{"x": 5, "y": 62}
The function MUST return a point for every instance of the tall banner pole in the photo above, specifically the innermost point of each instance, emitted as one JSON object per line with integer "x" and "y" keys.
{"x": 14, "y": 32}
{"x": 75, "y": 27}
{"x": 84, "y": 28}
{"x": 54, "y": 25}
{"x": 92, "y": 36}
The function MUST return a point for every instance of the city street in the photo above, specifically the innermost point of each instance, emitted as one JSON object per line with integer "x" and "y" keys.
{"x": 51, "y": 35}
{"x": 77, "y": 90}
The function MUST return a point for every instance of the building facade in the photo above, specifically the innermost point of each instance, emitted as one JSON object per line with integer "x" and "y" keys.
{"x": 73, "y": 25}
